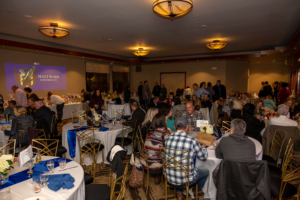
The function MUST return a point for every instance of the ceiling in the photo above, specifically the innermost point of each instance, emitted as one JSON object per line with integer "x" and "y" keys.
{"x": 244, "y": 25}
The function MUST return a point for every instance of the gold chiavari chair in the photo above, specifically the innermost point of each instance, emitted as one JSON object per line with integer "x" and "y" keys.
{"x": 107, "y": 191}
{"x": 277, "y": 143}
{"x": 175, "y": 162}
{"x": 127, "y": 128}
{"x": 179, "y": 113}
{"x": 118, "y": 113}
{"x": 89, "y": 147}
{"x": 46, "y": 147}
{"x": 23, "y": 131}
{"x": 226, "y": 125}
{"x": 10, "y": 145}
{"x": 78, "y": 115}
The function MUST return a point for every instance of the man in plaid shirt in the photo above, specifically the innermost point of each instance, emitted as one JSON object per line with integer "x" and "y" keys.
{"x": 192, "y": 116}
{"x": 181, "y": 141}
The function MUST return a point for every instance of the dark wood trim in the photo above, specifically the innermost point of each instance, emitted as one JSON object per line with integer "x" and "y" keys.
{"x": 174, "y": 73}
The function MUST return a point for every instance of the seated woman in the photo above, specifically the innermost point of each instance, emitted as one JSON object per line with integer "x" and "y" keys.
{"x": 96, "y": 101}
{"x": 148, "y": 121}
{"x": 218, "y": 113}
{"x": 194, "y": 99}
{"x": 154, "y": 139}
{"x": 293, "y": 111}
{"x": 237, "y": 109}
{"x": 254, "y": 124}
{"x": 236, "y": 96}
{"x": 269, "y": 103}
{"x": 258, "y": 108}
{"x": 27, "y": 121}
{"x": 178, "y": 106}
{"x": 170, "y": 99}
{"x": 167, "y": 112}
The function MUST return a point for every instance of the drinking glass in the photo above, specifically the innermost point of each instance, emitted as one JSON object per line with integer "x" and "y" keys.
{"x": 30, "y": 165}
{"x": 62, "y": 162}
{"x": 191, "y": 129}
{"x": 50, "y": 165}
{"x": 215, "y": 143}
{"x": 37, "y": 185}
{"x": 5, "y": 194}
{"x": 44, "y": 178}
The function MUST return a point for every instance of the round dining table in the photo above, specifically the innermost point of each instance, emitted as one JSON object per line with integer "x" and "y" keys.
{"x": 107, "y": 138}
{"x": 209, "y": 189}
{"x": 24, "y": 190}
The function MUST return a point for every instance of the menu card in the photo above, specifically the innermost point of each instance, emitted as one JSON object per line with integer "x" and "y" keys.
{"x": 200, "y": 122}
{"x": 25, "y": 155}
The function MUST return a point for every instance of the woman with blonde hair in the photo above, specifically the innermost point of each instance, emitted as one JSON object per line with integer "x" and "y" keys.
{"x": 293, "y": 113}
{"x": 194, "y": 99}
{"x": 269, "y": 103}
{"x": 198, "y": 104}
{"x": 16, "y": 128}
{"x": 148, "y": 121}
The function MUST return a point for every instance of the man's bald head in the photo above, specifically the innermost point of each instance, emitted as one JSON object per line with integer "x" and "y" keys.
{"x": 189, "y": 107}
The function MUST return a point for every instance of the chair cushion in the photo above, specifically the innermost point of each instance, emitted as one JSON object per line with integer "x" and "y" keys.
{"x": 88, "y": 179}
{"x": 182, "y": 187}
{"x": 155, "y": 172}
{"x": 274, "y": 171}
{"x": 60, "y": 151}
{"x": 270, "y": 160}
{"x": 275, "y": 183}
{"x": 127, "y": 141}
{"x": 97, "y": 191}
{"x": 89, "y": 145}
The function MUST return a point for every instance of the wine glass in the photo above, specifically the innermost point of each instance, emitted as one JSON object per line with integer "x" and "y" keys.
{"x": 62, "y": 162}
{"x": 44, "y": 178}
{"x": 50, "y": 165}
{"x": 30, "y": 165}
{"x": 5, "y": 194}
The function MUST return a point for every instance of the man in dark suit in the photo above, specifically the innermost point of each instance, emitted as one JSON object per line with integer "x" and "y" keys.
{"x": 44, "y": 116}
{"x": 140, "y": 93}
{"x": 154, "y": 102}
{"x": 220, "y": 90}
{"x": 163, "y": 103}
{"x": 137, "y": 114}
{"x": 156, "y": 90}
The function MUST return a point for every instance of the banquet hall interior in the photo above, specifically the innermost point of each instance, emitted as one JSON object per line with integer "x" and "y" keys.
{"x": 117, "y": 85}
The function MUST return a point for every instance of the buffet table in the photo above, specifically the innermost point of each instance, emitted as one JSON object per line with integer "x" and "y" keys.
{"x": 24, "y": 190}
{"x": 68, "y": 109}
{"x": 209, "y": 189}
{"x": 107, "y": 138}
{"x": 119, "y": 108}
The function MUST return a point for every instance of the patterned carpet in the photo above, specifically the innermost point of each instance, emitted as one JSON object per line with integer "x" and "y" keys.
{"x": 156, "y": 192}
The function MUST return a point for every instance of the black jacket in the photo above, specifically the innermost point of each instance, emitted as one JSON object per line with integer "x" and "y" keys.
{"x": 44, "y": 116}
{"x": 152, "y": 105}
{"x": 236, "y": 114}
{"x": 254, "y": 127}
{"x": 243, "y": 180}
{"x": 207, "y": 104}
{"x": 156, "y": 90}
{"x": 161, "y": 105}
{"x": 140, "y": 90}
{"x": 138, "y": 115}
{"x": 223, "y": 91}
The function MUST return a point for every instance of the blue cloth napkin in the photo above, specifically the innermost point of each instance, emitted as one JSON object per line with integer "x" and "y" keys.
{"x": 120, "y": 119}
{"x": 76, "y": 122}
{"x": 56, "y": 182}
{"x": 103, "y": 129}
{"x": 72, "y": 140}
{"x": 40, "y": 167}
{"x": 4, "y": 123}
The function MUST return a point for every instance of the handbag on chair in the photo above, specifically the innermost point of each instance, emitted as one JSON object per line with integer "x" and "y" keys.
{"x": 137, "y": 174}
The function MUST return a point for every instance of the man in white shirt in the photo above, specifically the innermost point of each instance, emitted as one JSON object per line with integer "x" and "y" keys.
{"x": 20, "y": 96}
{"x": 60, "y": 102}
{"x": 282, "y": 120}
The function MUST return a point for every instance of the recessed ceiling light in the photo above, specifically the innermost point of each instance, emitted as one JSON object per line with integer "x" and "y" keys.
{"x": 109, "y": 39}
{"x": 82, "y": 57}
{"x": 295, "y": 47}
{"x": 203, "y": 26}
{"x": 28, "y": 16}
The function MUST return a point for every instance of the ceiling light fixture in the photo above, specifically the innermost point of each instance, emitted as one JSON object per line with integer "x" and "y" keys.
{"x": 141, "y": 52}
{"x": 172, "y": 8}
{"x": 216, "y": 45}
{"x": 53, "y": 30}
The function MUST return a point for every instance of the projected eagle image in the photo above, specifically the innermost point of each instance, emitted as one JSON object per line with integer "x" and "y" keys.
{"x": 26, "y": 77}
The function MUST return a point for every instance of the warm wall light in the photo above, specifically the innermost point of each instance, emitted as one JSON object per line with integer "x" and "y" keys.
{"x": 172, "y": 8}
{"x": 53, "y": 30}
{"x": 216, "y": 45}
{"x": 141, "y": 52}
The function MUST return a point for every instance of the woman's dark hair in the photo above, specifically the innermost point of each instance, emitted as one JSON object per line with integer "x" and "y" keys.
{"x": 201, "y": 84}
{"x": 284, "y": 85}
{"x": 177, "y": 101}
{"x": 83, "y": 90}
{"x": 28, "y": 89}
{"x": 166, "y": 110}
{"x": 209, "y": 84}
{"x": 237, "y": 92}
{"x": 248, "y": 110}
{"x": 159, "y": 121}
{"x": 215, "y": 97}
{"x": 95, "y": 93}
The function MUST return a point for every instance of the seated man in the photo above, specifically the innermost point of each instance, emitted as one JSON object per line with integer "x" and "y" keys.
{"x": 44, "y": 116}
{"x": 137, "y": 114}
{"x": 192, "y": 115}
{"x": 181, "y": 141}
{"x": 236, "y": 146}
{"x": 282, "y": 120}
{"x": 31, "y": 108}
{"x": 10, "y": 108}
{"x": 154, "y": 102}
{"x": 206, "y": 102}
{"x": 163, "y": 103}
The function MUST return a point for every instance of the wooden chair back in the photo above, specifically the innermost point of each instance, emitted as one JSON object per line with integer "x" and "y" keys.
{"x": 9, "y": 146}
{"x": 115, "y": 182}
{"x": 128, "y": 127}
{"x": 277, "y": 142}
{"x": 118, "y": 113}
{"x": 46, "y": 147}
{"x": 23, "y": 131}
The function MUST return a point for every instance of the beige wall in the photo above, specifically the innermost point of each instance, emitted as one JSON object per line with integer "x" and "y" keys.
{"x": 75, "y": 69}
{"x": 196, "y": 72}
{"x": 237, "y": 75}
{"x": 270, "y": 72}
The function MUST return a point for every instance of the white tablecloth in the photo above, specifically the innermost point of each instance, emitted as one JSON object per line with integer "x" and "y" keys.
{"x": 118, "y": 107}
{"x": 68, "y": 109}
{"x": 209, "y": 189}
{"x": 107, "y": 138}
{"x": 24, "y": 189}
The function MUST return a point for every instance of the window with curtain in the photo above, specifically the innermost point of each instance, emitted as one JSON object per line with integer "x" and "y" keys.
{"x": 120, "y": 76}
{"x": 96, "y": 81}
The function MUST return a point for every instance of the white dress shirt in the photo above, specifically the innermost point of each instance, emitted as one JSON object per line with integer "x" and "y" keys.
{"x": 56, "y": 99}
{"x": 280, "y": 121}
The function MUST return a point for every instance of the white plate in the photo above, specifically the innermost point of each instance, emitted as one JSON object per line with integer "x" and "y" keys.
{"x": 35, "y": 198}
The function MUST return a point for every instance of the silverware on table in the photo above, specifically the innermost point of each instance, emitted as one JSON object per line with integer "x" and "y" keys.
{"x": 67, "y": 168}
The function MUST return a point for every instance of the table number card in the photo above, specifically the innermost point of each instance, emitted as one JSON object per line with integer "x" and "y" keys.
{"x": 200, "y": 122}
{"x": 25, "y": 155}
{"x": 104, "y": 117}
